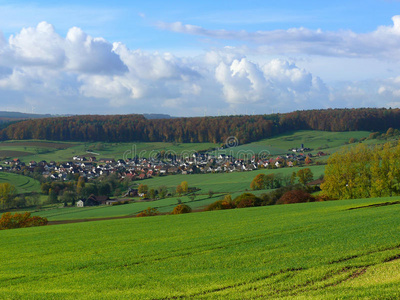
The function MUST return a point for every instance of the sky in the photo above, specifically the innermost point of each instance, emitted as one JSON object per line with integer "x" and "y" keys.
{"x": 196, "y": 58}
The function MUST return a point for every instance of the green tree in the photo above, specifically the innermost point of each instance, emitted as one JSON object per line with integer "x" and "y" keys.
{"x": 52, "y": 198}
{"x": 179, "y": 190}
{"x": 185, "y": 186}
{"x": 143, "y": 189}
{"x": 305, "y": 175}
{"x": 7, "y": 193}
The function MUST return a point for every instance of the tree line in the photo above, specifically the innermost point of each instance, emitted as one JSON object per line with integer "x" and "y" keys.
{"x": 129, "y": 128}
{"x": 363, "y": 172}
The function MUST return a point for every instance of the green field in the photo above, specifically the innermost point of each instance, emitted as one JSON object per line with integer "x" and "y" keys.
{"x": 23, "y": 184}
{"x": 64, "y": 151}
{"x": 30, "y": 150}
{"x": 223, "y": 182}
{"x": 301, "y": 251}
{"x": 316, "y": 140}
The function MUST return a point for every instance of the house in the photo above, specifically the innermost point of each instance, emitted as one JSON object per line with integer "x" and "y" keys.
{"x": 80, "y": 203}
{"x": 96, "y": 200}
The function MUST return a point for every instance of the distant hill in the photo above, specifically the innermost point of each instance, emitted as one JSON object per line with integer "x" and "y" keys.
{"x": 11, "y": 115}
{"x": 157, "y": 116}
{"x": 224, "y": 129}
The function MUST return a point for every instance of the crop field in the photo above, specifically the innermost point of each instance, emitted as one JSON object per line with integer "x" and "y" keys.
{"x": 29, "y": 150}
{"x": 22, "y": 183}
{"x": 317, "y": 250}
{"x": 223, "y": 182}
{"x": 316, "y": 140}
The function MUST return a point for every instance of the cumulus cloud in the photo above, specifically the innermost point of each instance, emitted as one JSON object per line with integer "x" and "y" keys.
{"x": 384, "y": 41}
{"x": 83, "y": 74}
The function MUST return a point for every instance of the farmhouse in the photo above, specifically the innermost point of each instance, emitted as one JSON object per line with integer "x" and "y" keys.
{"x": 80, "y": 203}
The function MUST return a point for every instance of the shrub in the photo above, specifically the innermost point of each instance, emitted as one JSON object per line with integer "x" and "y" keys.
{"x": 9, "y": 221}
{"x": 247, "y": 200}
{"x": 150, "y": 211}
{"x": 225, "y": 203}
{"x": 295, "y": 196}
{"x": 181, "y": 209}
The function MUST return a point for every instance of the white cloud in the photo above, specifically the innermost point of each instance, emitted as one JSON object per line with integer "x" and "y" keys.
{"x": 384, "y": 42}
{"x": 82, "y": 74}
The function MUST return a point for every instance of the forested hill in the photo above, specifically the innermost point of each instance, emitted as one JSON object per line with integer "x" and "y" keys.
{"x": 127, "y": 128}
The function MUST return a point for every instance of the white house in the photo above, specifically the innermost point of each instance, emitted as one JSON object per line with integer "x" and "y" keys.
{"x": 80, "y": 203}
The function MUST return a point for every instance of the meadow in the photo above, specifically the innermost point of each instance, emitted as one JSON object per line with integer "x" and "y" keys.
{"x": 23, "y": 184}
{"x": 30, "y": 150}
{"x": 37, "y": 150}
{"x": 319, "y": 250}
{"x": 234, "y": 183}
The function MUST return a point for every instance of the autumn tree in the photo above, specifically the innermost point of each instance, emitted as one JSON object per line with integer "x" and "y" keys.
{"x": 185, "y": 186}
{"x": 7, "y": 192}
{"x": 143, "y": 189}
{"x": 179, "y": 190}
{"x": 258, "y": 182}
{"x": 305, "y": 175}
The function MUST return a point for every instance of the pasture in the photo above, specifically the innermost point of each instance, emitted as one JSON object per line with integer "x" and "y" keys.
{"x": 317, "y": 250}
{"x": 23, "y": 184}
{"x": 223, "y": 182}
{"x": 30, "y": 150}
{"x": 316, "y": 140}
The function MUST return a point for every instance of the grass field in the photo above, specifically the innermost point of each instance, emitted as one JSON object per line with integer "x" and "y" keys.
{"x": 30, "y": 150}
{"x": 223, "y": 182}
{"x": 63, "y": 151}
{"x": 302, "y": 251}
{"x": 316, "y": 140}
{"x": 23, "y": 184}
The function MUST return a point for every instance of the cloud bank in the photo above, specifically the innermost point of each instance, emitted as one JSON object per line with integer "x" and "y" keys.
{"x": 42, "y": 70}
{"x": 384, "y": 42}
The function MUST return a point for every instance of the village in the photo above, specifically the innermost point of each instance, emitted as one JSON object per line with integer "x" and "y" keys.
{"x": 141, "y": 168}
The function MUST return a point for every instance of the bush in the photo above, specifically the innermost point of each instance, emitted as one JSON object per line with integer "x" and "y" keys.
{"x": 181, "y": 209}
{"x": 295, "y": 196}
{"x": 150, "y": 211}
{"x": 225, "y": 203}
{"x": 9, "y": 221}
{"x": 247, "y": 200}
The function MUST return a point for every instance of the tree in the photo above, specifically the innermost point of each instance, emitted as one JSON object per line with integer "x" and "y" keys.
{"x": 105, "y": 189}
{"x": 179, "y": 190}
{"x": 7, "y": 193}
{"x": 258, "y": 182}
{"x": 80, "y": 185}
{"x": 152, "y": 194}
{"x": 162, "y": 191}
{"x": 69, "y": 197}
{"x": 295, "y": 196}
{"x": 185, "y": 186}
{"x": 52, "y": 198}
{"x": 181, "y": 209}
{"x": 348, "y": 173}
{"x": 143, "y": 189}
{"x": 305, "y": 175}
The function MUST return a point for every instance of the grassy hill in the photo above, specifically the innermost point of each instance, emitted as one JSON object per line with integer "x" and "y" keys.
{"x": 24, "y": 184}
{"x": 302, "y": 251}
{"x": 36, "y": 150}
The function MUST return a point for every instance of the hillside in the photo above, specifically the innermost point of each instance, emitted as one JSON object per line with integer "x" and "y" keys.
{"x": 313, "y": 250}
{"x": 245, "y": 129}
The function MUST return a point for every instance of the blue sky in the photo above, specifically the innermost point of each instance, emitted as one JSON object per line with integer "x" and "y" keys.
{"x": 192, "y": 58}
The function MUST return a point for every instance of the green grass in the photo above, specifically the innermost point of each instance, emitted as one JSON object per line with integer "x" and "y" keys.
{"x": 63, "y": 151}
{"x": 302, "y": 251}
{"x": 223, "y": 182}
{"x": 30, "y": 150}
{"x": 317, "y": 140}
{"x": 23, "y": 184}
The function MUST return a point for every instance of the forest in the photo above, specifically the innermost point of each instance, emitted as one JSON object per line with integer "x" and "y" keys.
{"x": 135, "y": 127}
